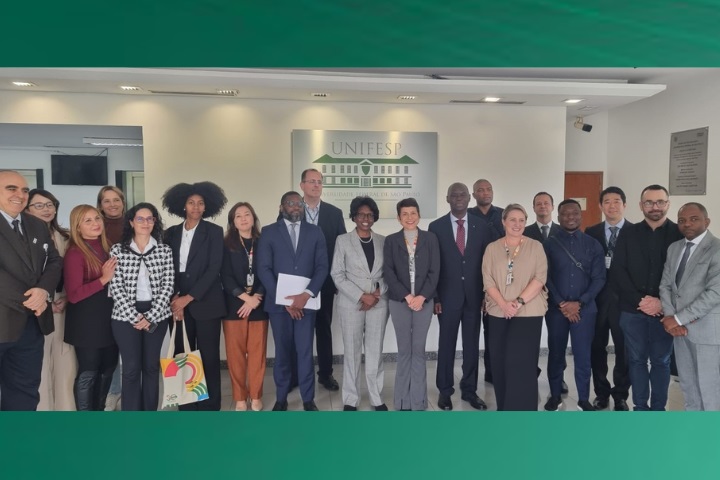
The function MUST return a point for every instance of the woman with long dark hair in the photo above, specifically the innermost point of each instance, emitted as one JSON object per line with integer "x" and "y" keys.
{"x": 246, "y": 324}
{"x": 59, "y": 362}
{"x": 88, "y": 269}
{"x": 141, "y": 290}
{"x": 197, "y": 247}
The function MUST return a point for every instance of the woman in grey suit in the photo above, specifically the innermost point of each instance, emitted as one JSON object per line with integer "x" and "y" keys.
{"x": 361, "y": 303}
{"x": 411, "y": 270}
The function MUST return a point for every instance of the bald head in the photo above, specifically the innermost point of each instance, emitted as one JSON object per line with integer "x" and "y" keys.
{"x": 458, "y": 197}
{"x": 13, "y": 192}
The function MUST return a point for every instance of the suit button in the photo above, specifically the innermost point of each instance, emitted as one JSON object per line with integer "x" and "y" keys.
{"x": 462, "y": 278}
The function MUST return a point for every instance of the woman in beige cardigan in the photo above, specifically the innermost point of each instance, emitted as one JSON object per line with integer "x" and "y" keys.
{"x": 59, "y": 363}
{"x": 514, "y": 274}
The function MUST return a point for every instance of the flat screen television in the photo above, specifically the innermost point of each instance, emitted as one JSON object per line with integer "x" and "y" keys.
{"x": 79, "y": 170}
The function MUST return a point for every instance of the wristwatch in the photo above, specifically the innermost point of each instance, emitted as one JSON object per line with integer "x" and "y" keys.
{"x": 520, "y": 300}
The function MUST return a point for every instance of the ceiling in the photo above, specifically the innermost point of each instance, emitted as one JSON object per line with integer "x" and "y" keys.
{"x": 600, "y": 89}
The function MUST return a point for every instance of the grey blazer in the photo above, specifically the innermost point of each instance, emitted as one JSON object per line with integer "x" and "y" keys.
{"x": 696, "y": 301}
{"x": 350, "y": 269}
{"x": 396, "y": 269}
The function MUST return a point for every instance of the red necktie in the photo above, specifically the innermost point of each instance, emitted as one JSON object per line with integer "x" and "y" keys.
{"x": 460, "y": 239}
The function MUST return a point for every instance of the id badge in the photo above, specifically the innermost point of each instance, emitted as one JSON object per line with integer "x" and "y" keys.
{"x": 608, "y": 261}
{"x": 508, "y": 279}
{"x": 250, "y": 279}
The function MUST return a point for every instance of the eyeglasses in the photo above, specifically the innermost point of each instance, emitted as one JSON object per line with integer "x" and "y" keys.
{"x": 314, "y": 182}
{"x": 40, "y": 206}
{"x": 365, "y": 215}
{"x": 650, "y": 203}
{"x": 142, "y": 220}
{"x": 294, "y": 203}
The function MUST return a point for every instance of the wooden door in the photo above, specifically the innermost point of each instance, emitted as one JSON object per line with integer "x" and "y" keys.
{"x": 585, "y": 187}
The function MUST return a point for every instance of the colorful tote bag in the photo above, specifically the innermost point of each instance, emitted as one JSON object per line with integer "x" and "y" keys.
{"x": 182, "y": 374}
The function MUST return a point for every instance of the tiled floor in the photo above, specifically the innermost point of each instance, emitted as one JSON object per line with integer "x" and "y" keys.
{"x": 327, "y": 400}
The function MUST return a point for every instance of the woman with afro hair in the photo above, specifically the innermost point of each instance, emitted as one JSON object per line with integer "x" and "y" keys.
{"x": 197, "y": 247}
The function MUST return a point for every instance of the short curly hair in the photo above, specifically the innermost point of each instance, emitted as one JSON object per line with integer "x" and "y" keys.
{"x": 358, "y": 202}
{"x": 175, "y": 197}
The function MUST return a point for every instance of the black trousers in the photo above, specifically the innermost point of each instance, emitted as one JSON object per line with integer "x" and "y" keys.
{"x": 20, "y": 366}
{"x": 606, "y": 324}
{"x": 450, "y": 321}
{"x": 323, "y": 333}
{"x": 101, "y": 360}
{"x": 514, "y": 350}
{"x": 204, "y": 335}
{"x": 140, "y": 353}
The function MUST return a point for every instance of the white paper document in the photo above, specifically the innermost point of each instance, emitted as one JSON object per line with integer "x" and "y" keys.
{"x": 292, "y": 285}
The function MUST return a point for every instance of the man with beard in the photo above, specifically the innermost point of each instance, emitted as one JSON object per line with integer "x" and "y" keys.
{"x": 292, "y": 247}
{"x": 576, "y": 274}
{"x": 635, "y": 273}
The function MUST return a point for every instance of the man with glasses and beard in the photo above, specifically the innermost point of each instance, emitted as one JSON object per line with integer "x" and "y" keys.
{"x": 636, "y": 272}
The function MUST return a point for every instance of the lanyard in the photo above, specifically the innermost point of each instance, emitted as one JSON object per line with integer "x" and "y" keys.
{"x": 511, "y": 261}
{"x": 250, "y": 280}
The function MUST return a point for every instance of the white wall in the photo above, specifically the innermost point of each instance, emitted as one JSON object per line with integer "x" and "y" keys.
{"x": 244, "y": 145}
{"x": 587, "y": 151}
{"x": 639, "y": 141}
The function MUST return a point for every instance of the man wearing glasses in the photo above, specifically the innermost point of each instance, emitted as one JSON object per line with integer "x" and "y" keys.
{"x": 636, "y": 271}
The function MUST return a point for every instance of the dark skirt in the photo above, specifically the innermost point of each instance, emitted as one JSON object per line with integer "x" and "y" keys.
{"x": 87, "y": 323}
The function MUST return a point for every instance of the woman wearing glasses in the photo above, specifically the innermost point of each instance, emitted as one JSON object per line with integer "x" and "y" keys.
{"x": 197, "y": 247}
{"x": 59, "y": 362}
{"x": 87, "y": 271}
{"x": 141, "y": 290}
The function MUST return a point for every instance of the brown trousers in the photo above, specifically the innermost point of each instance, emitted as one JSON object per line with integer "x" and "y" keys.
{"x": 246, "y": 347}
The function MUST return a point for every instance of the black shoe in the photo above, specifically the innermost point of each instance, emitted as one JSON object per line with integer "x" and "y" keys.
{"x": 474, "y": 401}
{"x": 488, "y": 379}
{"x": 405, "y": 410}
{"x": 329, "y": 382}
{"x": 621, "y": 405}
{"x": 539, "y": 370}
{"x": 444, "y": 402}
{"x": 564, "y": 388}
{"x": 601, "y": 403}
{"x": 381, "y": 408}
{"x": 348, "y": 408}
{"x": 280, "y": 407}
{"x": 585, "y": 406}
{"x": 310, "y": 406}
{"x": 553, "y": 404}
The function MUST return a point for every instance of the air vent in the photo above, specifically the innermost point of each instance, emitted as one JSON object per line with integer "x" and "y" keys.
{"x": 483, "y": 102}
{"x": 230, "y": 93}
{"x": 588, "y": 107}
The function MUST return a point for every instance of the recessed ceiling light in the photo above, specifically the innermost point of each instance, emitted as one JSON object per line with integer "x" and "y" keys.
{"x": 573, "y": 100}
{"x": 320, "y": 94}
{"x": 491, "y": 99}
{"x": 232, "y": 93}
{"x": 406, "y": 97}
{"x": 130, "y": 88}
{"x": 24, "y": 84}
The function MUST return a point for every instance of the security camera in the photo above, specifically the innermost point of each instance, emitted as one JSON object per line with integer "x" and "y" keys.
{"x": 585, "y": 127}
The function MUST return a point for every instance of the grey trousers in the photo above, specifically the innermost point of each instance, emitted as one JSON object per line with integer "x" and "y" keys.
{"x": 699, "y": 372}
{"x": 358, "y": 329}
{"x": 411, "y": 330}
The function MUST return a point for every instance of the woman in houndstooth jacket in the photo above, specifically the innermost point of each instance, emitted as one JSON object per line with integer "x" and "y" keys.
{"x": 141, "y": 289}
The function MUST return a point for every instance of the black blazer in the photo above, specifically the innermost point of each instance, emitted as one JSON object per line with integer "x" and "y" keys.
{"x": 202, "y": 274}
{"x": 533, "y": 231}
{"x": 396, "y": 266}
{"x": 21, "y": 268}
{"x": 597, "y": 231}
{"x": 234, "y": 273}
{"x": 461, "y": 275}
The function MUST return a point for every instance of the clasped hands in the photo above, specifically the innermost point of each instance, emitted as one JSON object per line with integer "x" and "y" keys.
{"x": 298, "y": 303}
{"x": 673, "y": 327}
{"x": 178, "y": 304}
{"x": 415, "y": 302}
{"x": 570, "y": 310}
{"x": 251, "y": 303}
{"x": 369, "y": 300}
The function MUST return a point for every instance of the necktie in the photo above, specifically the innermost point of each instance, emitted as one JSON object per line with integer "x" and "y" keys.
{"x": 683, "y": 262}
{"x": 293, "y": 235}
{"x": 16, "y": 228}
{"x": 460, "y": 239}
{"x": 613, "y": 239}
{"x": 545, "y": 229}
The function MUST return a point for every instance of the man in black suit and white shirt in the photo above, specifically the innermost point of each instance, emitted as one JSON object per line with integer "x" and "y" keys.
{"x": 30, "y": 269}
{"x": 612, "y": 204}
{"x": 543, "y": 227}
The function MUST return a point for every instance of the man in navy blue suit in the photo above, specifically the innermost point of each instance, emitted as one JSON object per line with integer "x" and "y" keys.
{"x": 292, "y": 247}
{"x": 462, "y": 239}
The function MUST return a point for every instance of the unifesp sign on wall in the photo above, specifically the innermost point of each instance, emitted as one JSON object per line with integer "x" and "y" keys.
{"x": 387, "y": 166}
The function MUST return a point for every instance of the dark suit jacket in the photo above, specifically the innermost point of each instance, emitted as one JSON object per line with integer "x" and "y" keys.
{"x": 597, "y": 231}
{"x": 533, "y": 231}
{"x": 607, "y": 299}
{"x": 21, "y": 270}
{"x": 202, "y": 273}
{"x": 396, "y": 269}
{"x": 234, "y": 279}
{"x": 461, "y": 275}
{"x": 276, "y": 256}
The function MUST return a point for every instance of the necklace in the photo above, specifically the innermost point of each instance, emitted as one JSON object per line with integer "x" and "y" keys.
{"x": 365, "y": 241}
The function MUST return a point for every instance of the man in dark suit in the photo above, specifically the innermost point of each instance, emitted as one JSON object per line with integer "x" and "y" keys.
{"x": 543, "y": 227}
{"x": 292, "y": 247}
{"x": 612, "y": 204}
{"x": 30, "y": 269}
{"x": 462, "y": 239}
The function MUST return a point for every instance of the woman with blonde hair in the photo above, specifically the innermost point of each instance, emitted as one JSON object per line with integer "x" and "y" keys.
{"x": 88, "y": 269}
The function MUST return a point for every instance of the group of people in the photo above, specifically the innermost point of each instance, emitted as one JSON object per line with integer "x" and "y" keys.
{"x": 114, "y": 282}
